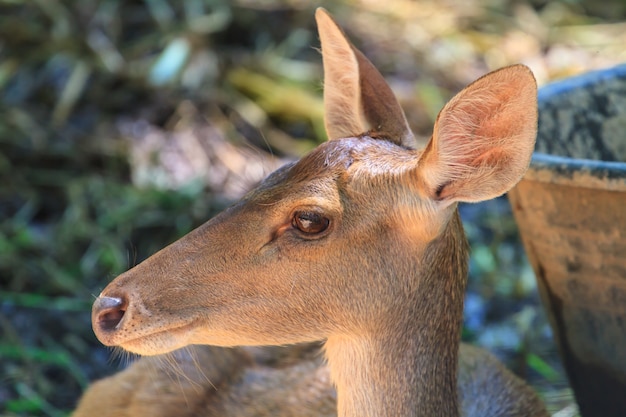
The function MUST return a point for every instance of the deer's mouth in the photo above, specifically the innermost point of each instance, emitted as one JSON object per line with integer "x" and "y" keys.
{"x": 155, "y": 340}
{"x": 158, "y": 342}
{"x": 118, "y": 322}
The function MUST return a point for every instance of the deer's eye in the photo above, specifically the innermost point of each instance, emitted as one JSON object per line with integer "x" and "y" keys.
{"x": 310, "y": 222}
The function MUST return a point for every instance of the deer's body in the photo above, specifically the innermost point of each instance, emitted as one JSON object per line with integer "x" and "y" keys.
{"x": 358, "y": 244}
{"x": 210, "y": 381}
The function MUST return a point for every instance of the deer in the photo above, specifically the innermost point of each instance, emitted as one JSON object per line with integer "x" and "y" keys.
{"x": 359, "y": 245}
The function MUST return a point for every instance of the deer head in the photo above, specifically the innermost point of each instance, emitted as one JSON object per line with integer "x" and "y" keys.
{"x": 349, "y": 240}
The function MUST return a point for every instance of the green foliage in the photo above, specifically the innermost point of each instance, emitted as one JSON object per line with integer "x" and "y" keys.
{"x": 542, "y": 367}
{"x": 58, "y": 249}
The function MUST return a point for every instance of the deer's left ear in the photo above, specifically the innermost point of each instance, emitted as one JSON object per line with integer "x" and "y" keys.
{"x": 483, "y": 138}
{"x": 357, "y": 99}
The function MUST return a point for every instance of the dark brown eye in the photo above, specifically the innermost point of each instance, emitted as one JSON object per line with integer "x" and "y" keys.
{"x": 309, "y": 222}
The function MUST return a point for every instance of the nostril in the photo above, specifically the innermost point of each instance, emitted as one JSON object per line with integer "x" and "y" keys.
{"x": 108, "y": 312}
{"x": 109, "y": 319}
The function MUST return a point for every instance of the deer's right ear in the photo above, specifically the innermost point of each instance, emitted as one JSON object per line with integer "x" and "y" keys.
{"x": 483, "y": 138}
{"x": 357, "y": 98}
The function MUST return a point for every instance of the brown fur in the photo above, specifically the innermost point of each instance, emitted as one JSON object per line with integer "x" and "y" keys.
{"x": 382, "y": 285}
{"x": 209, "y": 381}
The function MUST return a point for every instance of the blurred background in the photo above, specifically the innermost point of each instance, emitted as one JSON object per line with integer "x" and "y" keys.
{"x": 126, "y": 123}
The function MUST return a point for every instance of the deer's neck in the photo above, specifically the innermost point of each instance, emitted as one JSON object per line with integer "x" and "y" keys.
{"x": 407, "y": 366}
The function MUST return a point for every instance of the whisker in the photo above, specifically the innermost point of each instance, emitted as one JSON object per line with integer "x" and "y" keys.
{"x": 121, "y": 356}
{"x": 199, "y": 368}
{"x": 175, "y": 371}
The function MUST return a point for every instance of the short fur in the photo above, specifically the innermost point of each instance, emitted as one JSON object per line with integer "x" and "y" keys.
{"x": 383, "y": 284}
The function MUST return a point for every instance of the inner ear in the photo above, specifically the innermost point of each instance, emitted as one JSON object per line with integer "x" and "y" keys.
{"x": 483, "y": 138}
{"x": 357, "y": 99}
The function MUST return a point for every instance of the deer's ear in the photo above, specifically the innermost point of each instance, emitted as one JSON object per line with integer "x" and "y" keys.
{"x": 483, "y": 138}
{"x": 356, "y": 97}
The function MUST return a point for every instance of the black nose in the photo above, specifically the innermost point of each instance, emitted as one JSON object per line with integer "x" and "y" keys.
{"x": 107, "y": 312}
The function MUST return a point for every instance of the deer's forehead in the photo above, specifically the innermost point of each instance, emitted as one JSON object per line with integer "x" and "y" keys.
{"x": 337, "y": 166}
{"x": 353, "y": 158}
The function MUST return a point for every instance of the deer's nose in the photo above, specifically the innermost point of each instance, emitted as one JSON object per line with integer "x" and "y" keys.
{"x": 107, "y": 312}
